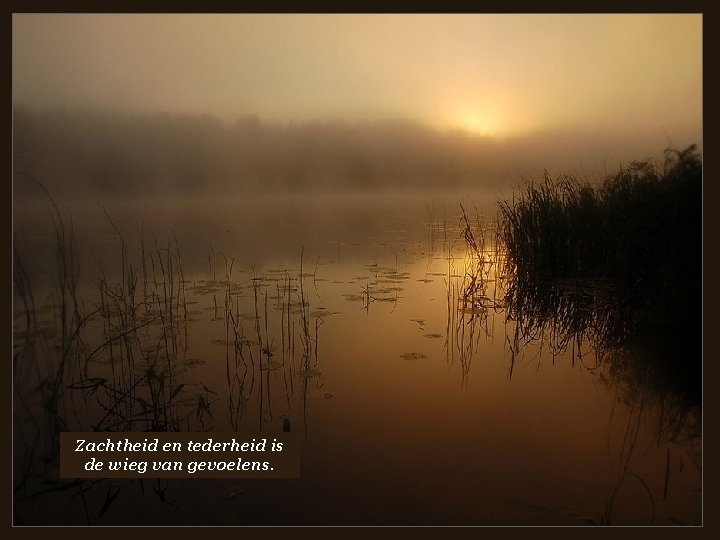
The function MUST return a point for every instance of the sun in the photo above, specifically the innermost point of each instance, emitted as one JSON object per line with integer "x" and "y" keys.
{"x": 484, "y": 116}
{"x": 477, "y": 123}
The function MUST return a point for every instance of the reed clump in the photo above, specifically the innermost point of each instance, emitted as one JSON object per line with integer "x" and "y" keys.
{"x": 637, "y": 231}
{"x": 617, "y": 263}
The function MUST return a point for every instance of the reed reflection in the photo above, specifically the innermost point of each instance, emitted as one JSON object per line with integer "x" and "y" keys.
{"x": 472, "y": 286}
{"x": 617, "y": 268}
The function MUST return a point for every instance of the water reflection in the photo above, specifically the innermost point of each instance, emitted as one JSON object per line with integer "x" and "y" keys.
{"x": 640, "y": 343}
{"x": 474, "y": 293}
{"x": 637, "y": 344}
{"x": 385, "y": 354}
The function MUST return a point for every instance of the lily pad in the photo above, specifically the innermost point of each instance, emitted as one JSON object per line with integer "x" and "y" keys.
{"x": 413, "y": 356}
{"x": 474, "y": 310}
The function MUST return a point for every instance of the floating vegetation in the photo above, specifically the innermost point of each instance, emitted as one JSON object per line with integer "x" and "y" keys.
{"x": 413, "y": 356}
{"x": 124, "y": 365}
{"x": 474, "y": 310}
{"x": 205, "y": 291}
{"x": 386, "y": 290}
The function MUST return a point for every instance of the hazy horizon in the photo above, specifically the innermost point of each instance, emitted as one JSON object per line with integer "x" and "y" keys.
{"x": 496, "y": 75}
{"x": 469, "y": 98}
{"x": 83, "y": 153}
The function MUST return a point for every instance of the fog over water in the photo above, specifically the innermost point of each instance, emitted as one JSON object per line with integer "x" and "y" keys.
{"x": 262, "y": 223}
{"x": 359, "y": 101}
{"x": 496, "y": 74}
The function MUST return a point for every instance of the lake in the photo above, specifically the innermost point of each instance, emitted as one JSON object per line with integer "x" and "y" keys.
{"x": 369, "y": 323}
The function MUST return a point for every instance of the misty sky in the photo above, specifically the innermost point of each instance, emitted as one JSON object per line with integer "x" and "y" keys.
{"x": 494, "y": 74}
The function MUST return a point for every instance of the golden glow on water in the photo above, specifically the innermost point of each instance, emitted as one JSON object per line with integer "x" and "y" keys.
{"x": 408, "y": 413}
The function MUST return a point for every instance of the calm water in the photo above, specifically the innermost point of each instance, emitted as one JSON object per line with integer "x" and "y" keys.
{"x": 398, "y": 384}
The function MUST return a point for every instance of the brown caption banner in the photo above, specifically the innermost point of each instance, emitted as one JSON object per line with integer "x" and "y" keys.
{"x": 178, "y": 455}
